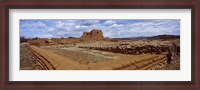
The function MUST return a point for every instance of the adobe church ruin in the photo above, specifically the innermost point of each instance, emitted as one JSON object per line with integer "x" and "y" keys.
{"x": 92, "y": 35}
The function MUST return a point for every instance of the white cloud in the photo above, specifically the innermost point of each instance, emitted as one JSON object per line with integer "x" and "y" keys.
{"x": 39, "y": 25}
{"x": 59, "y": 23}
{"x": 115, "y": 25}
{"x": 109, "y": 22}
{"x": 110, "y": 28}
{"x": 36, "y": 26}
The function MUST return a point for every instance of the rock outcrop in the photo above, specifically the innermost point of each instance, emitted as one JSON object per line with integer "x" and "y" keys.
{"x": 92, "y": 35}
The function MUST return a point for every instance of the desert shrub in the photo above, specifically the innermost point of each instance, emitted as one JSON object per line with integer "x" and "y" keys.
{"x": 34, "y": 43}
{"x": 113, "y": 40}
{"x": 23, "y": 39}
{"x": 35, "y": 38}
{"x": 81, "y": 40}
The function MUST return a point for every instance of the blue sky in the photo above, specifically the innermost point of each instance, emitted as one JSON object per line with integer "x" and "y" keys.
{"x": 110, "y": 28}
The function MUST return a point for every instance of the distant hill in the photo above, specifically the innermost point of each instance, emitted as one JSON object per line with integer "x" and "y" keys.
{"x": 129, "y": 38}
{"x": 152, "y": 37}
{"x": 165, "y": 37}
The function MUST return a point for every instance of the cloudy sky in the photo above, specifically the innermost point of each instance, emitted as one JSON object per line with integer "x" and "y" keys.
{"x": 110, "y": 28}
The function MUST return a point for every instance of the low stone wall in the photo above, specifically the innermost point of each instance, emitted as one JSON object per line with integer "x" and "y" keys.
{"x": 148, "y": 49}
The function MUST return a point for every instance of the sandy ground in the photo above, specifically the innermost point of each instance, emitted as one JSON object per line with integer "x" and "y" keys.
{"x": 74, "y": 58}
{"x": 105, "y": 60}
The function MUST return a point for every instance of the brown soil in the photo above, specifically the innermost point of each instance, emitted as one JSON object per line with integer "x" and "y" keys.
{"x": 75, "y": 58}
{"x": 83, "y": 56}
{"x": 27, "y": 61}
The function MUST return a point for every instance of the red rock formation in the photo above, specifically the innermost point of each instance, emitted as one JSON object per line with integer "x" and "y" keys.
{"x": 85, "y": 35}
{"x": 93, "y": 35}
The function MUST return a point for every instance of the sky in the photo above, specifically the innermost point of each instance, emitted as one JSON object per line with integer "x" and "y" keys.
{"x": 110, "y": 28}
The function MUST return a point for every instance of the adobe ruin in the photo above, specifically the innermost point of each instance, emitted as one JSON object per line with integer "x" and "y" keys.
{"x": 92, "y": 35}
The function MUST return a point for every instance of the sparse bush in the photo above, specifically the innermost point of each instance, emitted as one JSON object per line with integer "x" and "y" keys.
{"x": 34, "y": 43}
{"x": 23, "y": 39}
{"x": 35, "y": 38}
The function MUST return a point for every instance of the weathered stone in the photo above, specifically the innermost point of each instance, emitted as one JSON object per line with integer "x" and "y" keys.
{"x": 93, "y": 35}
